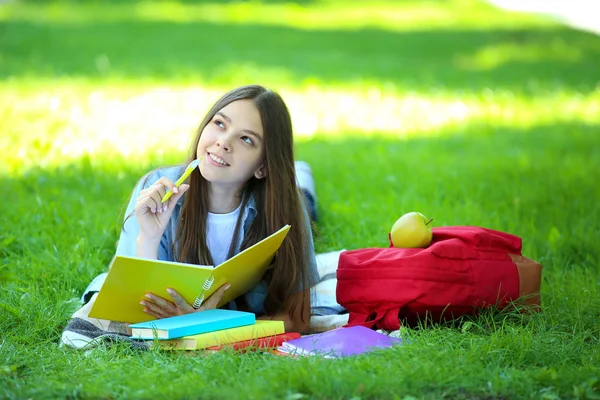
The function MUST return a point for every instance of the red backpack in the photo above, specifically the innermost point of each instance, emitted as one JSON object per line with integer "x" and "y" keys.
{"x": 464, "y": 269}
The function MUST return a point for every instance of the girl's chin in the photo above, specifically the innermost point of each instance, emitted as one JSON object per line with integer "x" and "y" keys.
{"x": 211, "y": 176}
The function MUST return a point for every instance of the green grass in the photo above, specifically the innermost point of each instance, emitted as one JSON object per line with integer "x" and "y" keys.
{"x": 468, "y": 114}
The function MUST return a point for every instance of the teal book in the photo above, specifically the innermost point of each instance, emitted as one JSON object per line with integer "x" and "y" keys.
{"x": 191, "y": 324}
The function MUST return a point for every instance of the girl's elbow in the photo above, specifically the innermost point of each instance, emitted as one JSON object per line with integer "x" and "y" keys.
{"x": 301, "y": 324}
{"x": 302, "y": 327}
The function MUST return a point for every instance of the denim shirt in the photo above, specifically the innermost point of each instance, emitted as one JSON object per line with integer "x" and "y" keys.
{"x": 127, "y": 245}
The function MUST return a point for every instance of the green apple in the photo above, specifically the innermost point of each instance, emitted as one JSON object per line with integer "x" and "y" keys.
{"x": 411, "y": 230}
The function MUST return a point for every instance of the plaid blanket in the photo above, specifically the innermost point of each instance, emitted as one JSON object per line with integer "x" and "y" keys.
{"x": 83, "y": 332}
{"x": 326, "y": 313}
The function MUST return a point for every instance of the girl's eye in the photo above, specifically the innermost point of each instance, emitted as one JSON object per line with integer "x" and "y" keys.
{"x": 219, "y": 123}
{"x": 247, "y": 140}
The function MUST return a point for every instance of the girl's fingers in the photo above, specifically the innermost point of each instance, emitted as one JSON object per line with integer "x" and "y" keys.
{"x": 156, "y": 198}
{"x": 166, "y": 183}
{"x": 215, "y": 298}
{"x": 162, "y": 185}
{"x": 180, "y": 302}
{"x": 158, "y": 304}
{"x": 152, "y": 309}
{"x": 158, "y": 188}
{"x": 175, "y": 197}
{"x": 149, "y": 201}
{"x": 157, "y": 192}
{"x": 153, "y": 199}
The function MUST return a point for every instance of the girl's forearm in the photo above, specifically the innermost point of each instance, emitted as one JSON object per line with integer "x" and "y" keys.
{"x": 292, "y": 324}
{"x": 299, "y": 320}
{"x": 147, "y": 248}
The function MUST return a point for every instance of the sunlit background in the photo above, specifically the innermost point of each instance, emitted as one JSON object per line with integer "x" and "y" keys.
{"x": 135, "y": 78}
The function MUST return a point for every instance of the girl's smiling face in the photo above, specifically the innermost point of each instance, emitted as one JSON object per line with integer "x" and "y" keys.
{"x": 231, "y": 145}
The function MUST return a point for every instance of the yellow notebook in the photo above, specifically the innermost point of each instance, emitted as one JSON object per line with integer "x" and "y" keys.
{"x": 261, "y": 329}
{"x": 130, "y": 278}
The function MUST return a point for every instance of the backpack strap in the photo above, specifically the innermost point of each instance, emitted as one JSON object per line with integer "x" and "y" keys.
{"x": 356, "y": 319}
{"x": 388, "y": 320}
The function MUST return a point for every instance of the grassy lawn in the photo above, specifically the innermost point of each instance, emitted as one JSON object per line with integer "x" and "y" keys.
{"x": 468, "y": 114}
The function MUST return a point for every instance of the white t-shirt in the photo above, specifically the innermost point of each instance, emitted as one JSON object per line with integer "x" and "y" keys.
{"x": 219, "y": 234}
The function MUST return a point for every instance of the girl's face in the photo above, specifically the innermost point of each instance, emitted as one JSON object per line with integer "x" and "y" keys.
{"x": 231, "y": 145}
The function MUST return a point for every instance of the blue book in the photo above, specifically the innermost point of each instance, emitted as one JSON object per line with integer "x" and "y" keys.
{"x": 191, "y": 324}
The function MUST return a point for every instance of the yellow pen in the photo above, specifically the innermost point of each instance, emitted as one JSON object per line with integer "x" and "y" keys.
{"x": 182, "y": 178}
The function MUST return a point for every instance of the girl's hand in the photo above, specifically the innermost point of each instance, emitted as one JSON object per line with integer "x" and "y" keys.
{"x": 152, "y": 215}
{"x": 161, "y": 308}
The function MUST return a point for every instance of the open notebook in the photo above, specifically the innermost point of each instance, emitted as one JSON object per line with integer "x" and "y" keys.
{"x": 130, "y": 278}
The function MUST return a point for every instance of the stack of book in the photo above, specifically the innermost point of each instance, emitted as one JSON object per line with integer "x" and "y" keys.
{"x": 130, "y": 278}
{"x": 213, "y": 330}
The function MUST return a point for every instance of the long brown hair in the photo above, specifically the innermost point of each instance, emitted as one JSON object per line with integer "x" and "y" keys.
{"x": 277, "y": 199}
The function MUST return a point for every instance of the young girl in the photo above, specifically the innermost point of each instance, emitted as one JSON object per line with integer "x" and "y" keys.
{"x": 243, "y": 190}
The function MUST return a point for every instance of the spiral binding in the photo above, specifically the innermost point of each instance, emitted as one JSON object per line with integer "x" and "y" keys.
{"x": 206, "y": 285}
{"x": 198, "y": 301}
